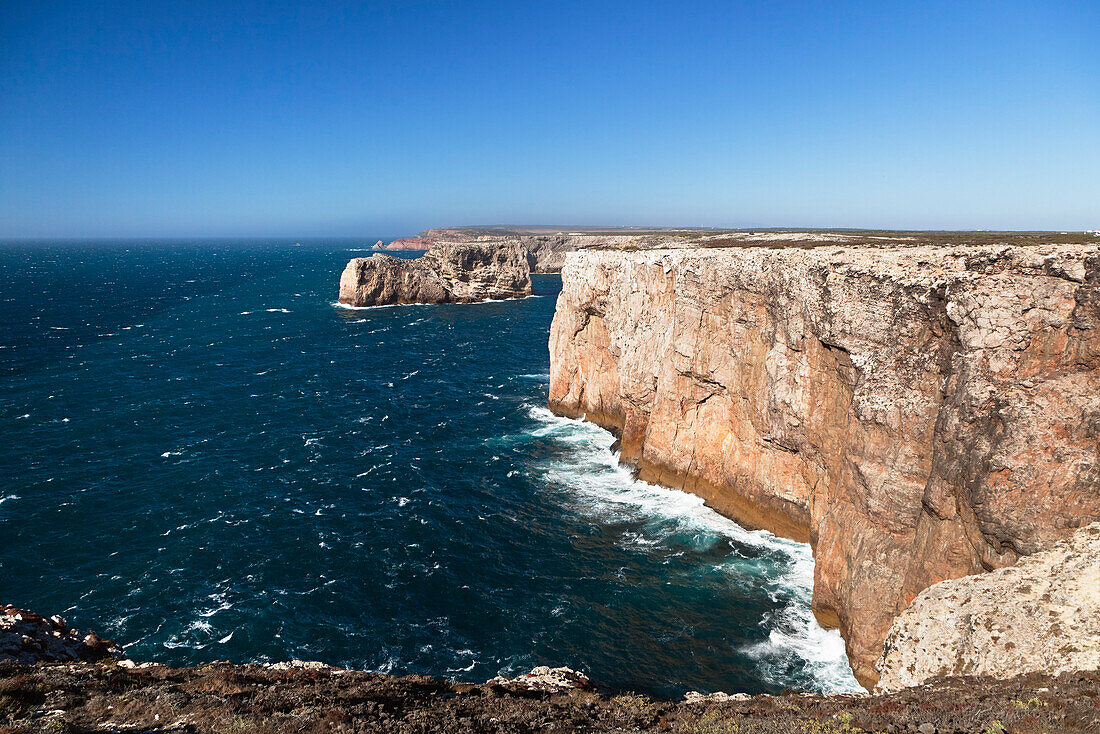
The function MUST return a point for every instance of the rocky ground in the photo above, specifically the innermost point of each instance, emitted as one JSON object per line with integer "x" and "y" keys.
{"x": 26, "y": 637}
{"x": 53, "y": 678}
{"x": 223, "y": 698}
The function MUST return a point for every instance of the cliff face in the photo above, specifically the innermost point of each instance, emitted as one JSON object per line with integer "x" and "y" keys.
{"x": 447, "y": 274}
{"x": 917, "y": 414}
{"x": 1041, "y": 615}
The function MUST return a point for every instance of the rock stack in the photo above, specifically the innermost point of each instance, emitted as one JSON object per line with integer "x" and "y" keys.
{"x": 447, "y": 274}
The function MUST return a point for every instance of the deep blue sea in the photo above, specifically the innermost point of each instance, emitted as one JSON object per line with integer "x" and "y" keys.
{"x": 203, "y": 457}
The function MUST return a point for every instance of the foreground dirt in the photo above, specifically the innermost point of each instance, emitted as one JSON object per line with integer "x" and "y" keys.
{"x": 101, "y": 697}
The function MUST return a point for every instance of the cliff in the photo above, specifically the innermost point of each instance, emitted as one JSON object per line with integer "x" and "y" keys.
{"x": 1041, "y": 615}
{"x": 545, "y": 252}
{"x": 916, "y": 413}
{"x": 447, "y": 274}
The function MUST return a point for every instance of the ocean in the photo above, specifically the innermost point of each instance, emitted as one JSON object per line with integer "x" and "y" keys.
{"x": 205, "y": 458}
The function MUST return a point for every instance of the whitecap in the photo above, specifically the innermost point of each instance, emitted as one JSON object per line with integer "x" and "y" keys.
{"x": 594, "y": 481}
{"x": 349, "y": 307}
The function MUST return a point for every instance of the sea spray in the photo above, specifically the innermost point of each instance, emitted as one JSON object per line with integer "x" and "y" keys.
{"x": 605, "y": 489}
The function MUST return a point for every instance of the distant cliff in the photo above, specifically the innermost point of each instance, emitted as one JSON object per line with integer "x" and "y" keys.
{"x": 405, "y": 243}
{"x": 545, "y": 253}
{"x": 916, "y": 413}
{"x": 446, "y": 274}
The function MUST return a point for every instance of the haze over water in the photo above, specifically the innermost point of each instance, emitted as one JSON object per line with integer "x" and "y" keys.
{"x": 204, "y": 458}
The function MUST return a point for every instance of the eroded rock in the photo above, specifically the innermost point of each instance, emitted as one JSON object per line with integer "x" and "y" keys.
{"x": 546, "y": 679}
{"x": 29, "y": 638}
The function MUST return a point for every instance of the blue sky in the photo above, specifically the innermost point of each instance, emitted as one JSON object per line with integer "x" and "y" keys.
{"x": 360, "y": 119}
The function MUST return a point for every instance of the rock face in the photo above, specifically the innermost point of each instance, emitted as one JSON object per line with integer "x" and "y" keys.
{"x": 916, "y": 413}
{"x": 447, "y": 274}
{"x": 1041, "y": 615}
{"x": 30, "y": 638}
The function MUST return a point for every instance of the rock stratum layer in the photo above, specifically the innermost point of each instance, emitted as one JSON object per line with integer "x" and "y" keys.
{"x": 1041, "y": 615}
{"x": 446, "y": 274}
{"x": 916, "y": 413}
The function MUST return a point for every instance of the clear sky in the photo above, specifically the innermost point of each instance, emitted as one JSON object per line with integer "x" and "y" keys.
{"x": 239, "y": 118}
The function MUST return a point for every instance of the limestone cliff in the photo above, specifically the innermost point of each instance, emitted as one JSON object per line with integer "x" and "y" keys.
{"x": 545, "y": 252}
{"x": 1041, "y": 615}
{"x": 916, "y": 413}
{"x": 405, "y": 243}
{"x": 447, "y": 274}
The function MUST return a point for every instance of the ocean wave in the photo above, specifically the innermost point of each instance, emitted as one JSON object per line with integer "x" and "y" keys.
{"x": 600, "y": 486}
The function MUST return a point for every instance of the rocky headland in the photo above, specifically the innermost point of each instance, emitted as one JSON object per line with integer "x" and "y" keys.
{"x": 918, "y": 413}
{"x": 404, "y": 243}
{"x": 447, "y": 274}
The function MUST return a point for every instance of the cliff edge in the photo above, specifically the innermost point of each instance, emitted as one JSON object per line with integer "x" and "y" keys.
{"x": 916, "y": 413}
{"x": 446, "y": 274}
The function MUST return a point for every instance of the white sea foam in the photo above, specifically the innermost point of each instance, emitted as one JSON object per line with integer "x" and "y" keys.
{"x": 337, "y": 304}
{"x": 349, "y": 307}
{"x": 591, "y": 474}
